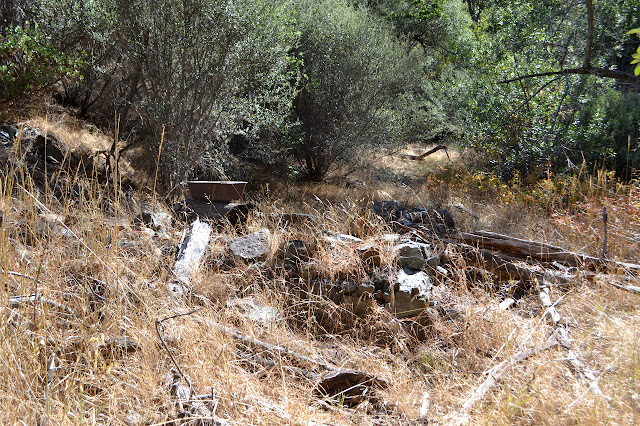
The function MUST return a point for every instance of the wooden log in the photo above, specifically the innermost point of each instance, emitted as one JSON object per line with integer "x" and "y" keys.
{"x": 538, "y": 251}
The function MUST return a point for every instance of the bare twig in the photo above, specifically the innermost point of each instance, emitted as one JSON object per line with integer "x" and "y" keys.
{"x": 159, "y": 324}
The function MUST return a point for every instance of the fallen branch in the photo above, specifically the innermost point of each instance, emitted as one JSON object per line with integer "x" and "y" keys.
{"x": 428, "y": 153}
{"x": 630, "y": 288}
{"x": 599, "y": 72}
{"x": 17, "y": 301}
{"x": 494, "y": 375}
{"x": 277, "y": 350}
{"x": 545, "y": 299}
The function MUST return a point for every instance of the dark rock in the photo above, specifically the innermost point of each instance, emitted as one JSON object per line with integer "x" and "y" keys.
{"x": 388, "y": 210}
{"x": 294, "y": 251}
{"x": 155, "y": 217}
{"x": 392, "y": 211}
{"x": 285, "y": 219}
{"x": 190, "y": 209}
{"x": 349, "y": 387}
{"x": 431, "y": 217}
{"x": 7, "y": 134}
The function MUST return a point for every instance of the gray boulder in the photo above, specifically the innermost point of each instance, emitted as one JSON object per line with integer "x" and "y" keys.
{"x": 414, "y": 255}
{"x": 253, "y": 246}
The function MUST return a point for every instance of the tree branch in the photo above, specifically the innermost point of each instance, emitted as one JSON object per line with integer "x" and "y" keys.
{"x": 598, "y": 72}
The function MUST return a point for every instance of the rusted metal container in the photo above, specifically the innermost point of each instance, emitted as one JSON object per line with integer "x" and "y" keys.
{"x": 216, "y": 190}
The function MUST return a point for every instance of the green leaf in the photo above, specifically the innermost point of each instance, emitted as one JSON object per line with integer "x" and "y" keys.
{"x": 634, "y": 31}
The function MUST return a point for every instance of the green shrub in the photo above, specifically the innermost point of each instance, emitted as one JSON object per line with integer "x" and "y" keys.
{"x": 354, "y": 67}
{"x": 29, "y": 62}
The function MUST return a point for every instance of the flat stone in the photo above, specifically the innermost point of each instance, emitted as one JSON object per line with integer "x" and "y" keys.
{"x": 333, "y": 238}
{"x": 254, "y": 246}
{"x": 112, "y": 222}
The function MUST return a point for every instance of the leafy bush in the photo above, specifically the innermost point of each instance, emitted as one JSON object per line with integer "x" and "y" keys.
{"x": 29, "y": 62}
{"x": 193, "y": 71}
{"x": 354, "y": 67}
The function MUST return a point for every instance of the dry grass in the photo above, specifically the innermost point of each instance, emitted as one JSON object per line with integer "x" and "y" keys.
{"x": 115, "y": 281}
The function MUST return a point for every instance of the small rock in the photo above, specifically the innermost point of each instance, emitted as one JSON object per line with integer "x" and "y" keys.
{"x": 412, "y": 291}
{"x": 370, "y": 255}
{"x": 333, "y": 238}
{"x": 51, "y": 225}
{"x": 116, "y": 347}
{"x": 366, "y": 288}
{"x": 293, "y": 218}
{"x": 433, "y": 261}
{"x": 253, "y": 246}
{"x": 389, "y": 238}
{"x": 112, "y": 222}
{"x": 294, "y": 251}
{"x": 256, "y": 312}
{"x": 411, "y": 255}
{"x": 506, "y": 304}
{"x": 154, "y": 217}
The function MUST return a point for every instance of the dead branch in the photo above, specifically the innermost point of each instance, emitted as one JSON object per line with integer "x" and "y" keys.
{"x": 276, "y": 350}
{"x": 159, "y": 324}
{"x": 428, "y": 153}
{"x": 494, "y": 375}
{"x": 630, "y": 288}
{"x": 545, "y": 299}
{"x": 17, "y": 301}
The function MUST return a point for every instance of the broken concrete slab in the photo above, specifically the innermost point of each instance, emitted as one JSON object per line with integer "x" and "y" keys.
{"x": 254, "y": 246}
{"x": 193, "y": 246}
